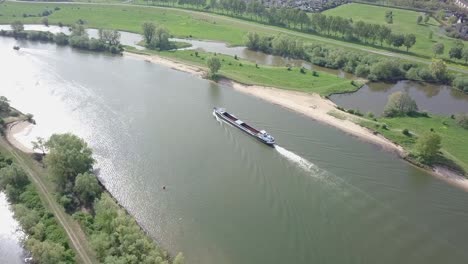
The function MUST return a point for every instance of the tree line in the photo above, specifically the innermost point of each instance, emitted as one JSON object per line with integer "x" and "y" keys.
{"x": 108, "y": 40}
{"x": 365, "y": 65}
{"x": 281, "y": 45}
{"x": 114, "y": 234}
{"x": 299, "y": 20}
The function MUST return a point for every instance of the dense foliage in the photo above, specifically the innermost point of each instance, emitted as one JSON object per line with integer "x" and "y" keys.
{"x": 114, "y": 234}
{"x": 156, "y": 38}
{"x": 428, "y": 147}
{"x": 46, "y": 240}
{"x": 334, "y": 26}
{"x": 214, "y": 64}
{"x": 109, "y": 40}
{"x": 281, "y": 45}
{"x": 462, "y": 120}
{"x": 400, "y": 104}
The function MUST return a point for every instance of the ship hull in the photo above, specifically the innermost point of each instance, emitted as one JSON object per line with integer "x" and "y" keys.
{"x": 244, "y": 127}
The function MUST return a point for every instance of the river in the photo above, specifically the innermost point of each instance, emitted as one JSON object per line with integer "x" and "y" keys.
{"x": 320, "y": 197}
{"x": 11, "y": 250}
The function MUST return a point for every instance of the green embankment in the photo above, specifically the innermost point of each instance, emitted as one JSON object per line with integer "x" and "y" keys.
{"x": 404, "y": 21}
{"x": 181, "y": 23}
{"x": 246, "y": 72}
{"x": 454, "y": 137}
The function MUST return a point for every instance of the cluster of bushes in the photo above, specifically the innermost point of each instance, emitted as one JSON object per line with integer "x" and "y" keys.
{"x": 30, "y": 35}
{"x": 45, "y": 240}
{"x": 108, "y": 41}
{"x": 376, "y": 68}
{"x": 157, "y": 38}
{"x": 46, "y": 12}
{"x": 461, "y": 82}
{"x": 114, "y": 234}
{"x": 281, "y": 45}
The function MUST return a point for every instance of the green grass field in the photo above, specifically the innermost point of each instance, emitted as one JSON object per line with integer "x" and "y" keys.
{"x": 130, "y": 18}
{"x": 454, "y": 137}
{"x": 404, "y": 21}
{"x": 181, "y": 23}
{"x": 246, "y": 72}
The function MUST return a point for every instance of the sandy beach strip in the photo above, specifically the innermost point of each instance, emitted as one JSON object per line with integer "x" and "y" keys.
{"x": 15, "y": 128}
{"x": 313, "y": 106}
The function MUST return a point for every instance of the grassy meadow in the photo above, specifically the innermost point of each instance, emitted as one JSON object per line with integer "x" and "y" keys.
{"x": 404, "y": 21}
{"x": 454, "y": 137}
{"x": 246, "y": 72}
{"x": 181, "y": 23}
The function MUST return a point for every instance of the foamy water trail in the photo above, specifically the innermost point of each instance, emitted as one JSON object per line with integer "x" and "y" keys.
{"x": 217, "y": 118}
{"x": 298, "y": 160}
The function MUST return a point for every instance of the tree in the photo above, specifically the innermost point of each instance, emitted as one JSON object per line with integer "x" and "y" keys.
{"x": 461, "y": 82}
{"x": 389, "y": 17}
{"x": 160, "y": 39}
{"x": 383, "y": 33}
{"x": 17, "y": 26}
{"x": 87, "y": 188}
{"x": 426, "y": 18}
{"x": 457, "y": 50}
{"x": 179, "y": 259}
{"x": 149, "y": 29}
{"x": 78, "y": 30}
{"x": 14, "y": 176}
{"x": 61, "y": 39}
{"x": 398, "y": 40}
{"x": 253, "y": 41}
{"x": 399, "y": 104}
{"x": 112, "y": 37}
{"x": 410, "y": 40}
{"x": 214, "y": 65}
{"x": 438, "y": 49}
{"x": 419, "y": 20}
{"x": 465, "y": 55}
{"x": 430, "y": 34}
{"x": 428, "y": 147}
{"x": 68, "y": 156}
{"x": 462, "y": 120}
{"x": 4, "y": 104}
{"x": 46, "y": 252}
{"x": 45, "y": 21}
{"x": 40, "y": 144}
{"x": 438, "y": 69}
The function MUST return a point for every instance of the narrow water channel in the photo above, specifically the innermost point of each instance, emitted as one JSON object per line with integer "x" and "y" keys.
{"x": 11, "y": 250}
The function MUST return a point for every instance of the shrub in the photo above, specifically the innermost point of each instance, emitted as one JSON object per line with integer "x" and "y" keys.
{"x": 462, "y": 120}
{"x": 302, "y": 70}
{"x": 461, "y": 82}
{"x": 399, "y": 104}
{"x": 370, "y": 115}
{"x": 406, "y": 132}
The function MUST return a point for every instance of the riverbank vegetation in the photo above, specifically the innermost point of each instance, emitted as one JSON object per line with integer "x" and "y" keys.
{"x": 429, "y": 139}
{"x": 108, "y": 41}
{"x": 246, "y": 72}
{"x": 46, "y": 240}
{"x": 114, "y": 234}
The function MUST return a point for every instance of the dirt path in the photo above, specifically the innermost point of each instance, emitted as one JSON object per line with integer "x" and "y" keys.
{"x": 73, "y": 230}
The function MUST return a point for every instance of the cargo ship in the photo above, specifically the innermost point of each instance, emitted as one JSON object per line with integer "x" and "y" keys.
{"x": 261, "y": 135}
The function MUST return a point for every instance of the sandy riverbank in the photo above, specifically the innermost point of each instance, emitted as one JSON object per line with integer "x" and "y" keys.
{"x": 13, "y": 130}
{"x": 310, "y": 105}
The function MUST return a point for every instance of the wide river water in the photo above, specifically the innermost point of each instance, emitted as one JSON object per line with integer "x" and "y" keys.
{"x": 321, "y": 196}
